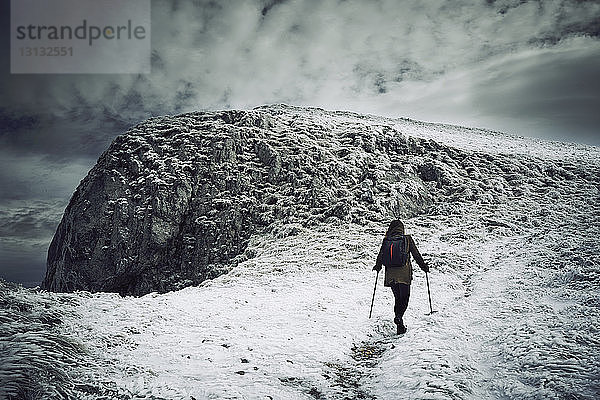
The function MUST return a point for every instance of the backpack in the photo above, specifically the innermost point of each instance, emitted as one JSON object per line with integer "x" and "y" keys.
{"x": 395, "y": 251}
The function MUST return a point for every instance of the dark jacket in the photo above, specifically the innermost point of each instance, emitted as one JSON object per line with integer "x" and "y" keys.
{"x": 401, "y": 274}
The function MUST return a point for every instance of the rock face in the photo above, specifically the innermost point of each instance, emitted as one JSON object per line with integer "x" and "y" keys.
{"x": 174, "y": 201}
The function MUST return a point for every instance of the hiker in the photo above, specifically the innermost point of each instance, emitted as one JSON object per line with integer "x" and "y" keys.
{"x": 398, "y": 270}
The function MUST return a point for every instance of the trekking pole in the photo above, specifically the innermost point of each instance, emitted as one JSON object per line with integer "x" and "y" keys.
{"x": 429, "y": 294}
{"x": 373, "y": 300}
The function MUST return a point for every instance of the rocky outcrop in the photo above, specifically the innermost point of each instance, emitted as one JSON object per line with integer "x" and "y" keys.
{"x": 174, "y": 201}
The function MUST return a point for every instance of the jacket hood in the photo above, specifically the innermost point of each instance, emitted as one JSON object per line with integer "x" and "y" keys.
{"x": 396, "y": 228}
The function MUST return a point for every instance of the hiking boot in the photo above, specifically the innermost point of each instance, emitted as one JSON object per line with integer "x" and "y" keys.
{"x": 400, "y": 325}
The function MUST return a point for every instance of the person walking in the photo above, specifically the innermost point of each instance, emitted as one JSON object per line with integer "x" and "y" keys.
{"x": 395, "y": 253}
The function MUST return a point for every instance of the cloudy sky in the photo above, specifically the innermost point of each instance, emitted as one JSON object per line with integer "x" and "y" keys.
{"x": 530, "y": 68}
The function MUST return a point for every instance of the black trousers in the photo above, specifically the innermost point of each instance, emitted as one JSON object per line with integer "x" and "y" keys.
{"x": 401, "y": 294}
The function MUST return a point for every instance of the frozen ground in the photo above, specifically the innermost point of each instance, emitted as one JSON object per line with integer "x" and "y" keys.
{"x": 515, "y": 282}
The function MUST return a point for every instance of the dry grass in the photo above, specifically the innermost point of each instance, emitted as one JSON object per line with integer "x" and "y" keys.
{"x": 35, "y": 356}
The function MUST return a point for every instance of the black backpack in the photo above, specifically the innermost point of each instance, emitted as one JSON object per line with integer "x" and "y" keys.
{"x": 395, "y": 251}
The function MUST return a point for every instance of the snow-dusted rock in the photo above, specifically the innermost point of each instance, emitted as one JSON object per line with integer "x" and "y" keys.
{"x": 174, "y": 201}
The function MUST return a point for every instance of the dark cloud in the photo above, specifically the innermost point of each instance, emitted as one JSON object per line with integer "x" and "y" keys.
{"x": 26, "y": 229}
{"x": 555, "y": 92}
{"x": 30, "y": 220}
{"x": 528, "y": 67}
{"x": 11, "y": 122}
{"x": 23, "y": 264}
{"x": 34, "y": 176}
{"x": 65, "y": 139}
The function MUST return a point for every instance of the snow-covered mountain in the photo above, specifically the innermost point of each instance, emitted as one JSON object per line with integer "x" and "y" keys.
{"x": 293, "y": 202}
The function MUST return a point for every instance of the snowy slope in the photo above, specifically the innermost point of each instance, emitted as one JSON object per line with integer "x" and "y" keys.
{"x": 515, "y": 278}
